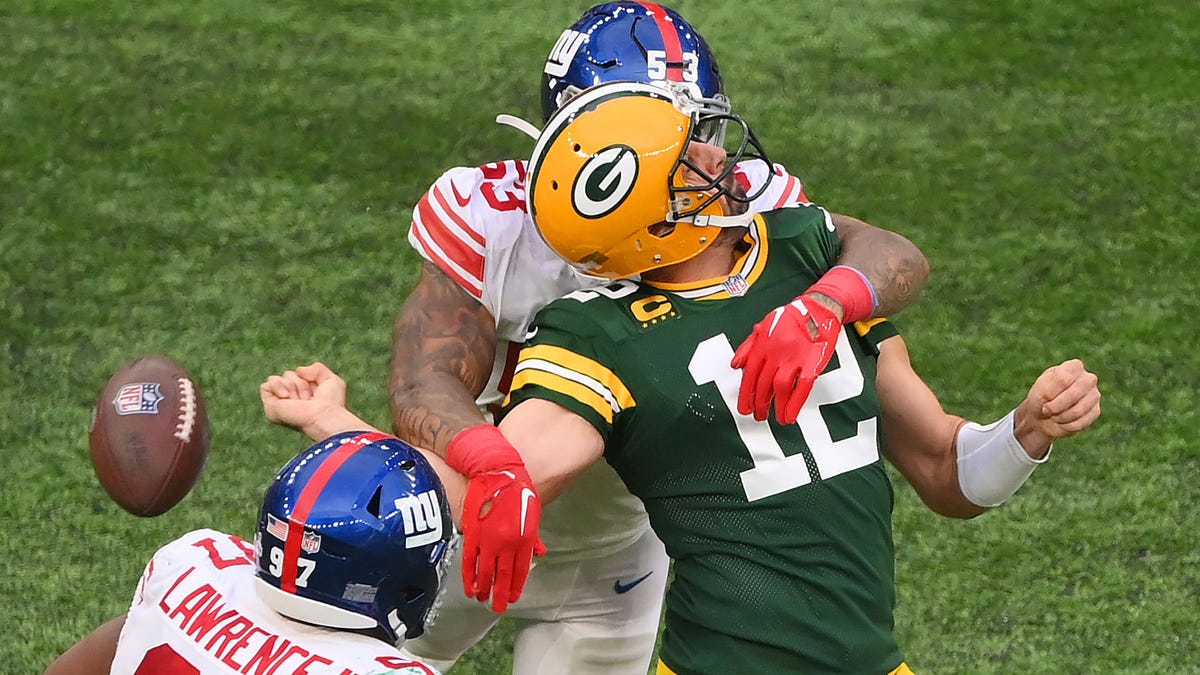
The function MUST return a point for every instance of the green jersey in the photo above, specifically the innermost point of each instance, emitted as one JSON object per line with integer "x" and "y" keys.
{"x": 780, "y": 534}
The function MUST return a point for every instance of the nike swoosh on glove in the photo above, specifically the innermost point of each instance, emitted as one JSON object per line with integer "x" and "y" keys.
{"x": 781, "y": 359}
{"x": 500, "y": 535}
{"x": 501, "y": 514}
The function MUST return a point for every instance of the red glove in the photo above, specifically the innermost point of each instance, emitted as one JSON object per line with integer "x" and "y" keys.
{"x": 782, "y": 359}
{"x": 790, "y": 347}
{"x": 499, "y": 552}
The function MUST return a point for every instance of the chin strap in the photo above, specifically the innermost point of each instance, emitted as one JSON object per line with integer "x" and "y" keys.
{"x": 518, "y": 124}
{"x": 702, "y": 220}
{"x": 686, "y": 201}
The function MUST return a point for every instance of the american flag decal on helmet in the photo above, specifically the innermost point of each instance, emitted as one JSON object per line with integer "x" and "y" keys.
{"x": 277, "y": 528}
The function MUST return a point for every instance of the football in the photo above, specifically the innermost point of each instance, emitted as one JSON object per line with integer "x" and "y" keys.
{"x": 149, "y": 435}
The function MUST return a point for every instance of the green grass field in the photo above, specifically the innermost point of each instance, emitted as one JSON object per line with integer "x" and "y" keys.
{"x": 230, "y": 183}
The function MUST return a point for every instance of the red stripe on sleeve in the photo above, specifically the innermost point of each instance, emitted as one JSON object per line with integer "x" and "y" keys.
{"x": 441, "y": 199}
{"x": 472, "y": 286}
{"x": 449, "y": 241}
{"x": 788, "y": 189}
{"x": 742, "y": 179}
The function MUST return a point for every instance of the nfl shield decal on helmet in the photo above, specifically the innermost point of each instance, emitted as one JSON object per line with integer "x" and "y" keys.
{"x": 311, "y": 542}
{"x": 139, "y": 398}
{"x": 605, "y": 181}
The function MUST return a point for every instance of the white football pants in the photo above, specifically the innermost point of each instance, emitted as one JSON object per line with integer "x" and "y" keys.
{"x": 597, "y": 616}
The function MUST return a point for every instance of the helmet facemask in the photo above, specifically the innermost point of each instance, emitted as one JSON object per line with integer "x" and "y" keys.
{"x": 699, "y": 200}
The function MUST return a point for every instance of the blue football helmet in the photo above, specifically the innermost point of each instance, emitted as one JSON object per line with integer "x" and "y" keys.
{"x": 354, "y": 534}
{"x": 635, "y": 42}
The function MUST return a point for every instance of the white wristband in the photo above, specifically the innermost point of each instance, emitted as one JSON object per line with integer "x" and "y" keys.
{"x": 992, "y": 465}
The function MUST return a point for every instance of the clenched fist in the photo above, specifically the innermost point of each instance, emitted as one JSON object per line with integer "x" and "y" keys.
{"x": 1063, "y": 401}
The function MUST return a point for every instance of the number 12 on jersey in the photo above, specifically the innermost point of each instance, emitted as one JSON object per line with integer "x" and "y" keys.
{"x": 774, "y": 472}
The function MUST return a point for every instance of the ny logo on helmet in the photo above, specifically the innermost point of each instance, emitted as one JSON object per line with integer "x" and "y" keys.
{"x": 563, "y": 51}
{"x": 604, "y": 181}
{"x": 422, "y": 518}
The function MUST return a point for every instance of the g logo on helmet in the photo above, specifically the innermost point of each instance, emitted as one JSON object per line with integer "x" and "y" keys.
{"x": 604, "y": 181}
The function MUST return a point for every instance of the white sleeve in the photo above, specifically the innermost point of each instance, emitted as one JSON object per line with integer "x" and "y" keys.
{"x": 445, "y": 230}
{"x": 177, "y": 555}
{"x": 784, "y": 189}
{"x": 992, "y": 465}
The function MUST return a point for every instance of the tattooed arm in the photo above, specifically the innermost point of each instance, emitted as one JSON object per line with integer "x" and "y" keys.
{"x": 443, "y": 347}
{"x": 894, "y": 265}
{"x": 792, "y": 345}
{"x": 443, "y": 350}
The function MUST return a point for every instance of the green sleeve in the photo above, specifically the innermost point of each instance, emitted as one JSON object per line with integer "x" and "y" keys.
{"x": 564, "y": 361}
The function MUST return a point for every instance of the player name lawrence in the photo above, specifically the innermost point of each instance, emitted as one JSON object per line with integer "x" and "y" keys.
{"x": 204, "y": 616}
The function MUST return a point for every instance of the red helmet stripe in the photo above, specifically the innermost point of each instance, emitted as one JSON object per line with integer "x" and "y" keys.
{"x": 670, "y": 38}
{"x": 308, "y": 497}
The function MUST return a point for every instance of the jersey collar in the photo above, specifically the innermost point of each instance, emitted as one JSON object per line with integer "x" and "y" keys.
{"x": 745, "y": 272}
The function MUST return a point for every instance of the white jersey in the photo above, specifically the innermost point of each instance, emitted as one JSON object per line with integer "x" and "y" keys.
{"x": 474, "y": 224}
{"x": 195, "y": 612}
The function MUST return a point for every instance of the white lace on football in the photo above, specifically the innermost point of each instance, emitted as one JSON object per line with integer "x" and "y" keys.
{"x": 519, "y": 124}
{"x": 187, "y": 410}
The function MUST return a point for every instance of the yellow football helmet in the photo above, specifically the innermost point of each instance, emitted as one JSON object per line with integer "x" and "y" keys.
{"x": 612, "y": 164}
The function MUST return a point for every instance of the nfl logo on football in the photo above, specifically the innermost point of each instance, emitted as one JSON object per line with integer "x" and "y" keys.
{"x": 140, "y": 398}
